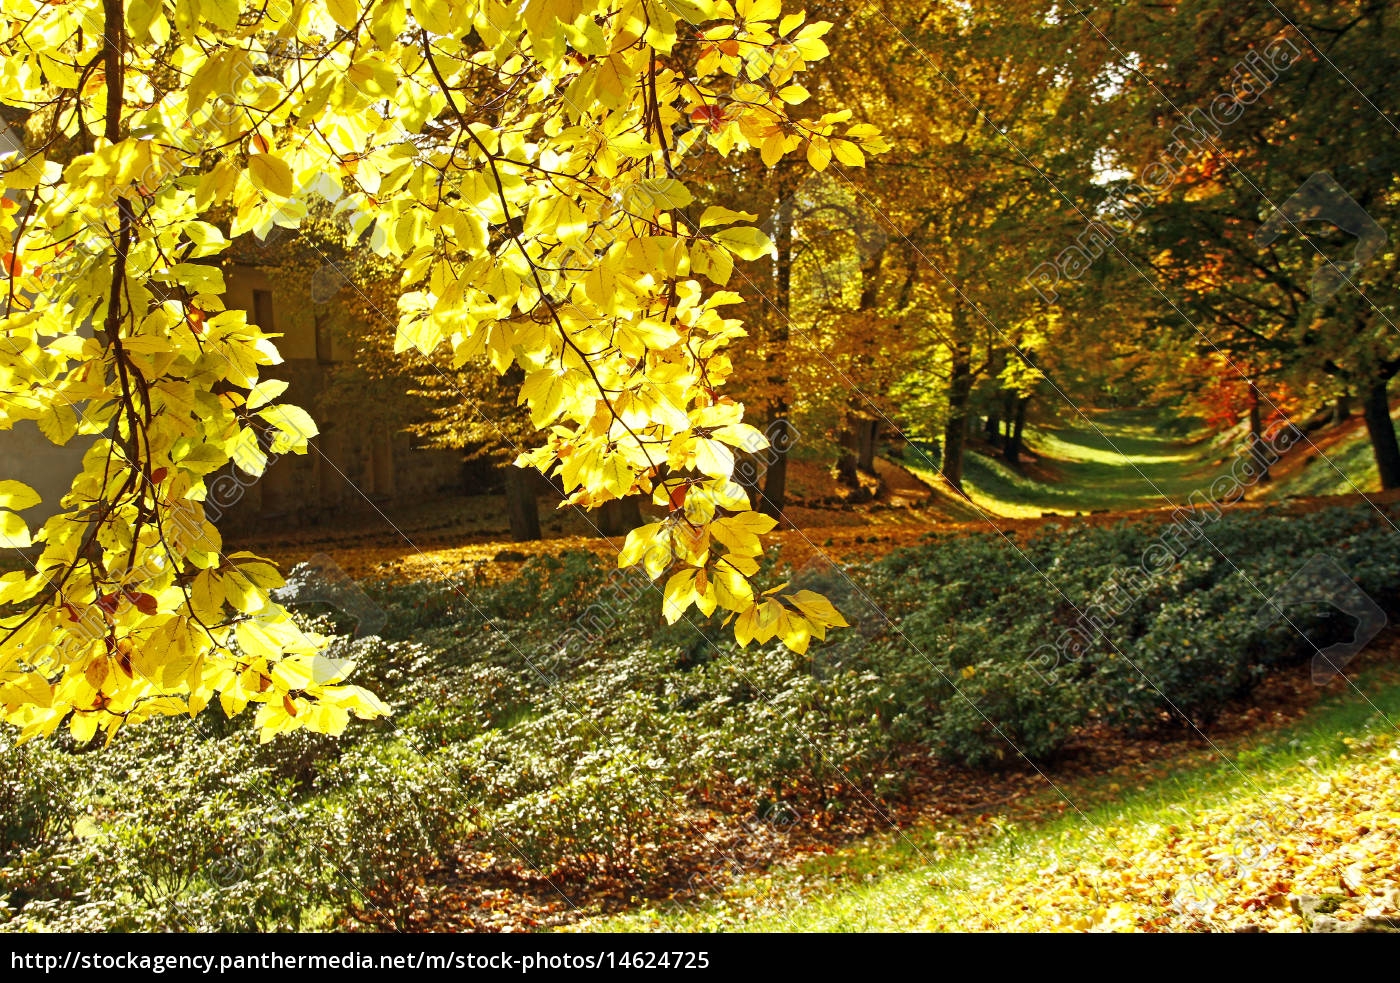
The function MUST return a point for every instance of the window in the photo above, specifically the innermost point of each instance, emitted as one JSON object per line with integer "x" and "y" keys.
{"x": 262, "y": 310}
{"x": 324, "y": 339}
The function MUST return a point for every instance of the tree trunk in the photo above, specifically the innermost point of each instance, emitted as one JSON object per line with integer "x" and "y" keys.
{"x": 1256, "y": 436}
{"x": 867, "y": 431}
{"x": 775, "y": 478}
{"x": 748, "y": 472}
{"x": 620, "y": 516}
{"x": 955, "y": 432}
{"x": 993, "y": 428}
{"x": 1341, "y": 409}
{"x": 1012, "y": 451}
{"x": 522, "y": 506}
{"x": 847, "y": 466}
{"x": 1375, "y": 407}
{"x": 856, "y": 454}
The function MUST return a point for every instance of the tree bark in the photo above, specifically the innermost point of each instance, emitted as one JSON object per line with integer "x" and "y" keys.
{"x": 1341, "y": 409}
{"x": 856, "y": 454}
{"x": 867, "y": 431}
{"x": 1256, "y": 436}
{"x": 1014, "y": 440}
{"x": 620, "y": 516}
{"x": 1375, "y": 407}
{"x": 748, "y": 472}
{"x": 775, "y": 478}
{"x": 522, "y": 506}
{"x": 955, "y": 431}
{"x": 993, "y": 428}
{"x": 847, "y": 472}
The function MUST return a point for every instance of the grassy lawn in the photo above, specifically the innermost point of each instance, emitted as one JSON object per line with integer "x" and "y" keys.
{"x": 1342, "y": 467}
{"x": 1204, "y": 841}
{"x": 1114, "y": 461}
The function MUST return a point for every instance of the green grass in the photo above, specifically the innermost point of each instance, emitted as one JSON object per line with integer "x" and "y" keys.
{"x": 933, "y": 876}
{"x": 1121, "y": 460}
{"x": 1132, "y": 459}
{"x": 1351, "y": 456}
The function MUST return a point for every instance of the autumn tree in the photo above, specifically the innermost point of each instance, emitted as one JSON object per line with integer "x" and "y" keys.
{"x": 1259, "y": 141}
{"x": 515, "y": 166}
{"x": 985, "y": 106}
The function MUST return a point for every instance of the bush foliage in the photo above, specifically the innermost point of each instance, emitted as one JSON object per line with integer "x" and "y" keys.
{"x": 551, "y": 721}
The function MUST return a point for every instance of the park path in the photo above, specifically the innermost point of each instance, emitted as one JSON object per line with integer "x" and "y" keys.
{"x": 1113, "y": 461}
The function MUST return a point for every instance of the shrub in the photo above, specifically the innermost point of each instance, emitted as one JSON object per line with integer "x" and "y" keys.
{"x": 212, "y": 841}
{"x": 40, "y": 798}
{"x": 392, "y": 819}
{"x": 578, "y": 734}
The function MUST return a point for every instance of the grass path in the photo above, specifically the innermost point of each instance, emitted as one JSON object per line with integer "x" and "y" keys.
{"x": 1117, "y": 460}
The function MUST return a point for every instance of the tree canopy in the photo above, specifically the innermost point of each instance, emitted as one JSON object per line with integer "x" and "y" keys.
{"x": 523, "y": 168}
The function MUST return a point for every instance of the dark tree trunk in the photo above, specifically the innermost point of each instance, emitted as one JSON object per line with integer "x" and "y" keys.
{"x": 847, "y": 468}
{"x": 1256, "y": 436}
{"x": 620, "y": 516}
{"x": 1341, "y": 409}
{"x": 1012, "y": 451}
{"x": 993, "y": 428}
{"x": 522, "y": 506}
{"x": 1375, "y": 407}
{"x": 955, "y": 432}
{"x": 856, "y": 453}
{"x": 867, "y": 431}
{"x": 748, "y": 472}
{"x": 775, "y": 478}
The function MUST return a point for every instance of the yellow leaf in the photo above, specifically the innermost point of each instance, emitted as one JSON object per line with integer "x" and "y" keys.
{"x": 271, "y": 174}
{"x": 346, "y": 13}
{"x": 14, "y": 534}
{"x": 713, "y": 458}
{"x": 719, "y": 215}
{"x": 746, "y": 242}
{"x": 680, "y": 592}
{"x": 17, "y": 495}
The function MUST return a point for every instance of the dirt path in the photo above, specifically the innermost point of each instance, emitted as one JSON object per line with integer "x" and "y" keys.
{"x": 421, "y": 549}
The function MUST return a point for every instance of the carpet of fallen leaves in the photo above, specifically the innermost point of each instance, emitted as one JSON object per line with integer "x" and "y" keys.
{"x": 1334, "y": 836}
{"x": 458, "y": 539}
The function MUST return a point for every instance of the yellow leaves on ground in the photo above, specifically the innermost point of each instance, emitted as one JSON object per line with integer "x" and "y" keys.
{"x": 1326, "y": 835}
